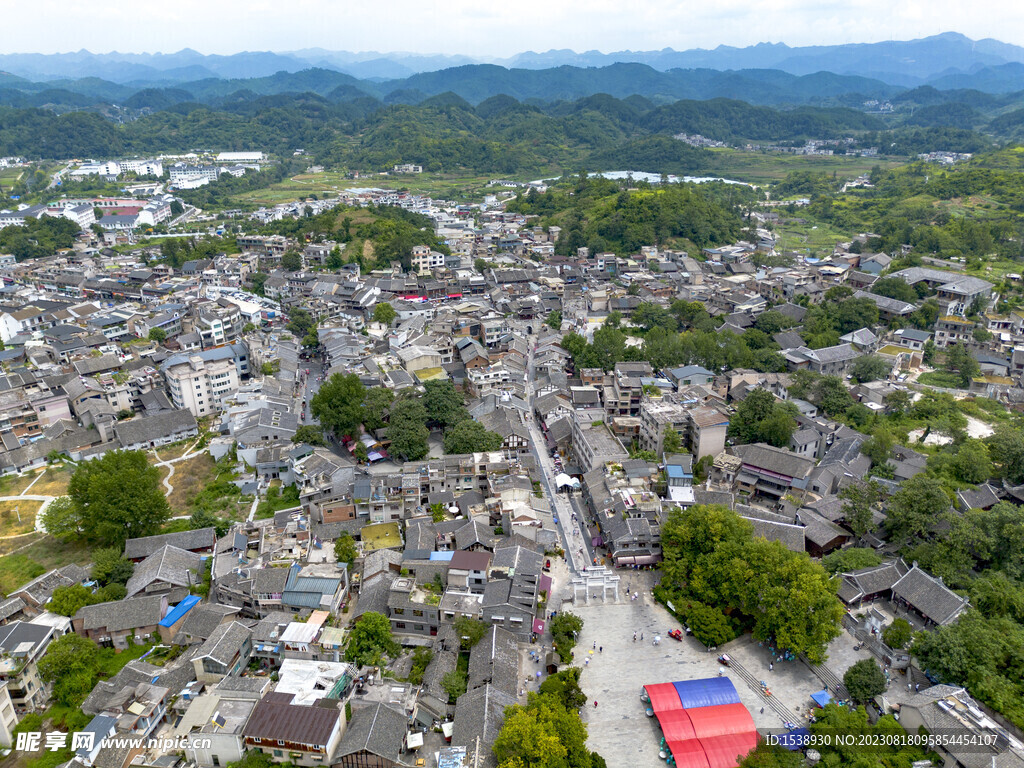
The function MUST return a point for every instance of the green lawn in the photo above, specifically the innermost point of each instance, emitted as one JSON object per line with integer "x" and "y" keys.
{"x": 767, "y": 167}
{"x": 43, "y": 553}
{"x": 940, "y": 379}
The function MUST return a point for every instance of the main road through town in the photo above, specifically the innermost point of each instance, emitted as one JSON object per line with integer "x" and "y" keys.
{"x": 571, "y": 522}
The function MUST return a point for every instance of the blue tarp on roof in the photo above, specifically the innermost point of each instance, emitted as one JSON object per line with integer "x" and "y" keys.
{"x": 177, "y": 612}
{"x": 710, "y": 692}
{"x": 674, "y": 470}
{"x": 442, "y": 556}
{"x": 821, "y": 698}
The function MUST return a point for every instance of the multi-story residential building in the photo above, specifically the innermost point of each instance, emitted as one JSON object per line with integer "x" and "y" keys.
{"x": 953, "y": 329}
{"x": 955, "y": 292}
{"x": 22, "y": 644}
{"x": 593, "y": 444}
{"x": 199, "y": 385}
{"x": 424, "y": 259}
{"x": 218, "y": 324}
{"x": 657, "y": 417}
{"x": 8, "y": 717}
{"x": 770, "y": 472}
{"x": 707, "y": 431}
{"x": 289, "y": 733}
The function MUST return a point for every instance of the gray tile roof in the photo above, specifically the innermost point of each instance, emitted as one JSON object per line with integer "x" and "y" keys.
{"x": 203, "y": 538}
{"x": 774, "y": 460}
{"x": 495, "y": 660}
{"x": 169, "y": 565}
{"x": 120, "y": 615}
{"x": 929, "y": 596}
{"x": 378, "y": 730}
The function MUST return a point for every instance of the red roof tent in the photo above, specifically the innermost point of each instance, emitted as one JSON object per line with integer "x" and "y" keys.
{"x": 663, "y": 698}
{"x": 704, "y": 723}
{"x": 676, "y": 725}
{"x": 689, "y": 753}
{"x": 726, "y": 751}
{"x": 709, "y": 722}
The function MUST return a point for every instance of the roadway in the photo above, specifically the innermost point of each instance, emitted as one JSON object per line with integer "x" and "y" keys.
{"x": 571, "y": 524}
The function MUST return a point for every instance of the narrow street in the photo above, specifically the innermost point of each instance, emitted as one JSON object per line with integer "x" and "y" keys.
{"x": 572, "y": 530}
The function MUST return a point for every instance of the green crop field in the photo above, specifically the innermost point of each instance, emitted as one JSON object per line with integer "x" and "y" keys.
{"x": 767, "y": 167}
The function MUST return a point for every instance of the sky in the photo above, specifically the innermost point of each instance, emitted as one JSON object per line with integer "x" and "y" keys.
{"x": 488, "y": 29}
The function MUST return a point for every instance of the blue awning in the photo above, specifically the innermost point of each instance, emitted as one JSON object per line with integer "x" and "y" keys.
{"x": 821, "y": 698}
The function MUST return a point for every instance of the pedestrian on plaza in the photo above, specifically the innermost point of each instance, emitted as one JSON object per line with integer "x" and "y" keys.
{"x": 634, "y": 637}
{"x": 595, "y": 645}
{"x": 917, "y": 687}
{"x": 600, "y": 649}
{"x": 762, "y": 710}
{"x": 641, "y": 637}
{"x": 771, "y": 666}
{"x": 586, "y": 662}
{"x": 595, "y": 704}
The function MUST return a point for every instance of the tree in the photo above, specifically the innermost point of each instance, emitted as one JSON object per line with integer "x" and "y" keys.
{"x": 672, "y": 442}
{"x": 898, "y": 401}
{"x": 703, "y": 468}
{"x": 300, "y": 322}
{"x": 444, "y": 404}
{"x": 310, "y": 434}
{"x": 157, "y": 334}
{"x": 407, "y": 431}
{"x": 370, "y": 639}
{"x": 421, "y": 659}
{"x": 869, "y": 368}
{"x": 338, "y": 406}
{"x": 480, "y": 265}
{"x": 851, "y": 559}
{"x": 202, "y": 518}
{"x": 878, "y": 447}
{"x": 1006, "y": 449}
{"x": 116, "y": 497}
{"x": 864, "y": 680}
{"x": 915, "y": 508}
{"x": 65, "y": 601}
{"x": 335, "y": 260}
{"x": 61, "y": 518}
{"x": 109, "y": 566}
{"x": 762, "y": 418}
{"x": 384, "y": 313}
{"x": 554, "y": 320}
{"x": 438, "y": 512}
{"x": 959, "y": 360}
{"x": 291, "y": 261}
{"x": 859, "y": 500}
{"x": 971, "y": 463}
{"x": 376, "y": 402}
{"x": 454, "y": 684}
{"x": 898, "y": 634}
{"x": 565, "y": 628}
{"x": 471, "y": 437}
{"x": 345, "y": 550}
{"x": 708, "y": 624}
{"x": 470, "y": 631}
{"x": 71, "y": 664}
{"x": 543, "y": 734}
{"x": 565, "y": 687}
{"x": 831, "y": 394}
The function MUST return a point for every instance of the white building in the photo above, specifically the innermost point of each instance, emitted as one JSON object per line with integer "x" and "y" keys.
{"x": 424, "y": 259}
{"x": 143, "y": 167}
{"x": 198, "y": 385}
{"x": 183, "y": 174}
{"x": 240, "y": 157}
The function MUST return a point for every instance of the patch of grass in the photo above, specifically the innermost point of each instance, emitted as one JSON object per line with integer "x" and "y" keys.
{"x": 190, "y": 477}
{"x": 54, "y": 481}
{"x": 943, "y": 379}
{"x": 15, "y": 485}
{"x": 112, "y": 661}
{"x": 18, "y": 517}
{"x": 767, "y": 167}
{"x": 18, "y": 569}
{"x": 277, "y": 499}
{"x": 174, "y": 450}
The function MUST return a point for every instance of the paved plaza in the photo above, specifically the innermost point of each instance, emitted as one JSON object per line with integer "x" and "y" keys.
{"x": 619, "y": 728}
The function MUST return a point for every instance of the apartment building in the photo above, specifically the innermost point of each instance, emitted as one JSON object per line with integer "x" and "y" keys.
{"x": 198, "y": 385}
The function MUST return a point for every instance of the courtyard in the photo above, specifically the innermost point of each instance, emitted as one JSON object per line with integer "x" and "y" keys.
{"x": 618, "y": 727}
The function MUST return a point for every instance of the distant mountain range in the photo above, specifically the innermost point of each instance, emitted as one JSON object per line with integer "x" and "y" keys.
{"x": 949, "y": 60}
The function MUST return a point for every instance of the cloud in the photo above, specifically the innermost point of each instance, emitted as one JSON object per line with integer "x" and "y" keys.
{"x": 496, "y": 29}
